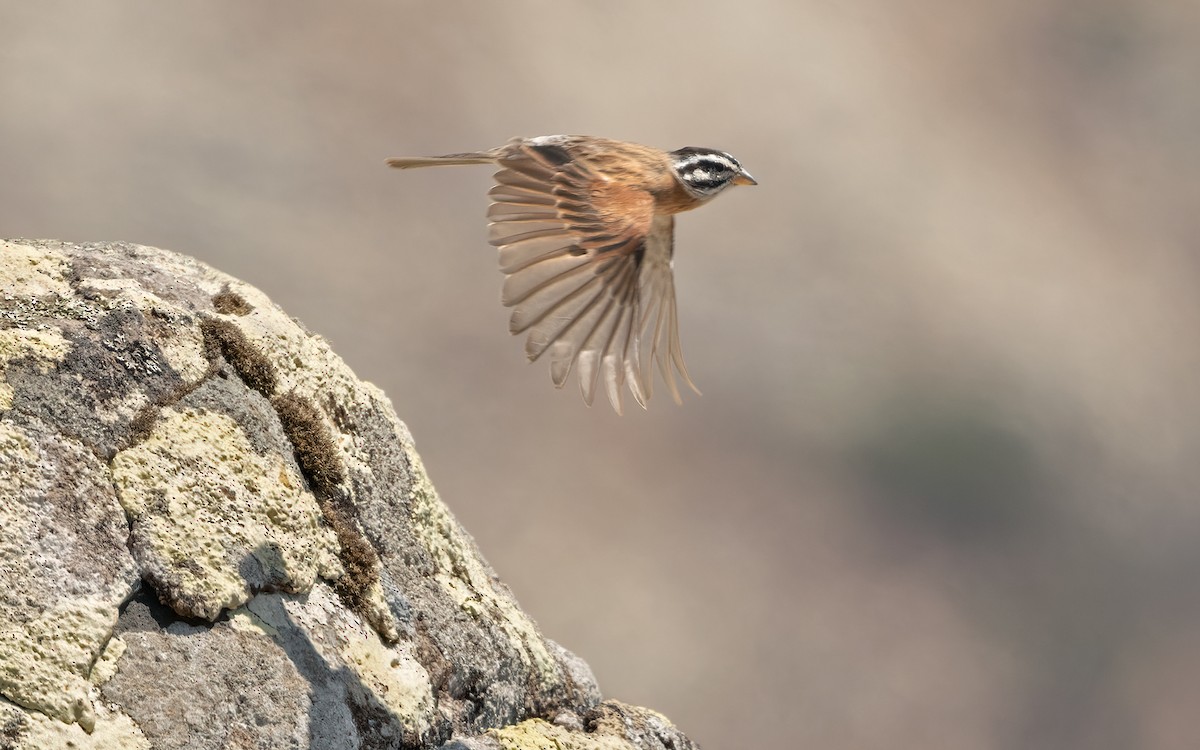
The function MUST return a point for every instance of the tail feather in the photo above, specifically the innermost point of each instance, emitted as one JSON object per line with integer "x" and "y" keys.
{"x": 410, "y": 162}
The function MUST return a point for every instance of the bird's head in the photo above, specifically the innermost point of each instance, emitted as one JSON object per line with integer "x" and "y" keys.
{"x": 704, "y": 172}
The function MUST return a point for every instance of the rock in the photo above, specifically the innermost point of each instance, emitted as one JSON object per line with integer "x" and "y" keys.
{"x": 213, "y": 535}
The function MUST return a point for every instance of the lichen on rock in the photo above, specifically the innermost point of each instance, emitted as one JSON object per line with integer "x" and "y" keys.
{"x": 213, "y": 520}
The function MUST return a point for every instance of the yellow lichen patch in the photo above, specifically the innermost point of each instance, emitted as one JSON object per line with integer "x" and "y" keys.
{"x": 106, "y": 666}
{"x": 46, "y": 348}
{"x": 461, "y": 572}
{"x": 45, "y": 661}
{"x": 32, "y": 272}
{"x": 112, "y": 731}
{"x": 536, "y": 734}
{"x": 205, "y": 502}
{"x": 395, "y": 677}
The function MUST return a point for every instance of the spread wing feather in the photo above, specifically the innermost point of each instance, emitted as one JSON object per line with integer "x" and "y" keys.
{"x": 588, "y": 266}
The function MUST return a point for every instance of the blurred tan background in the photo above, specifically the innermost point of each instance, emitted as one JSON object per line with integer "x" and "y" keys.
{"x": 941, "y": 488}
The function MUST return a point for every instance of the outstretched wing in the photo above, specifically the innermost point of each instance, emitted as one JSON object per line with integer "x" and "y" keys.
{"x": 588, "y": 267}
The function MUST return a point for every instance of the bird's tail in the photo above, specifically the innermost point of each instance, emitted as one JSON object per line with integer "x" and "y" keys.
{"x": 449, "y": 160}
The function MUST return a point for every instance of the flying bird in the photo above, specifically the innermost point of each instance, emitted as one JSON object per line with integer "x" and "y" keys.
{"x": 585, "y": 230}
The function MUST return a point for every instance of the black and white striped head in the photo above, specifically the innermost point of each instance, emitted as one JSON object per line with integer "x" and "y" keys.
{"x": 705, "y": 172}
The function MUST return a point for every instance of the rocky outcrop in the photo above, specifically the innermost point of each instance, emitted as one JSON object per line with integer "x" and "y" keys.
{"x": 213, "y": 535}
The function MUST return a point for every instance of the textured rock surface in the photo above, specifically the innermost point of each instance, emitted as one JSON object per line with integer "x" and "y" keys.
{"x": 213, "y": 535}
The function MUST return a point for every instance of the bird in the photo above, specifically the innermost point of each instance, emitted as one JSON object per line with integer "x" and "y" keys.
{"x": 585, "y": 227}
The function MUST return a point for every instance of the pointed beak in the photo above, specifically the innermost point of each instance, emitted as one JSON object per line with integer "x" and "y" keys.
{"x": 744, "y": 178}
